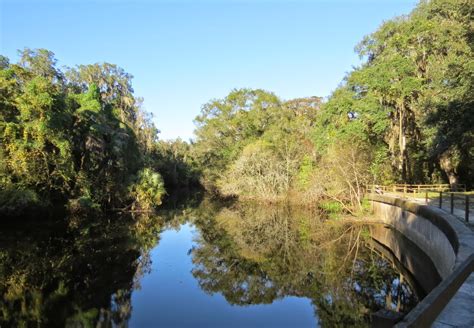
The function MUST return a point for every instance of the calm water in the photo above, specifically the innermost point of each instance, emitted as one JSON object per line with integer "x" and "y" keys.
{"x": 178, "y": 299}
{"x": 205, "y": 265}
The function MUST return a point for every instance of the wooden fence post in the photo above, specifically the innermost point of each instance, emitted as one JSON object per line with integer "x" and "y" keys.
{"x": 440, "y": 199}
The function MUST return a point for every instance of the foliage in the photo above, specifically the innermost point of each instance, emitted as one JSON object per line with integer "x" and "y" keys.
{"x": 419, "y": 69}
{"x": 148, "y": 189}
{"x": 295, "y": 253}
{"x": 227, "y": 125}
{"x": 13, "y": 199}
{"x": 342, "y": 174}
{"x": 176, "y": 162}
{"x": 256, "y": 172}
{"x": 79, "y": 137}
{"x": 75, "y": 272}
{"x": 404, "y": 115}
{"x": 252, "y": 144}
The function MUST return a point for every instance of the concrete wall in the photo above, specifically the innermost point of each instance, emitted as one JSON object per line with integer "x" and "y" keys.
{"x": 413, "y": 262}
{"x": 439, "y": 235}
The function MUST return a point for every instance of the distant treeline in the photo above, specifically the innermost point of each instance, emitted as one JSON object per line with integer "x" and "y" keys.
{"x": 405, "y": 115}
{"x": 80, "y": 138}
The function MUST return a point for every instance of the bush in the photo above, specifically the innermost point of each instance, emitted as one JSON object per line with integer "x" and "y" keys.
{"x": 148, "y": 190}
{"x": 331, "y": 206}
{"x": 257, "y": 173}
{"x": 83, "y": 204}
{"x": 15, "y": 202}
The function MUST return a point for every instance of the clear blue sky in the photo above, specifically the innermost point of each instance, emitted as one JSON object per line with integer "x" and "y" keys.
{"x": 183, "y": 53}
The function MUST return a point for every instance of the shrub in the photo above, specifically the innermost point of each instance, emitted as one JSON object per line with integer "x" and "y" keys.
{"x": 148, "y": 190}
{"x": 14, "y": 202}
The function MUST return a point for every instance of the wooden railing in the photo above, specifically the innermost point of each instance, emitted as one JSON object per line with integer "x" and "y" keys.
{"x": 459, "y": 202}
{"x": 415, "y": 188}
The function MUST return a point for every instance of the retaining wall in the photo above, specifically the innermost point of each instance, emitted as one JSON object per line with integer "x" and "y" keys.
{"x": 446, "y": 240}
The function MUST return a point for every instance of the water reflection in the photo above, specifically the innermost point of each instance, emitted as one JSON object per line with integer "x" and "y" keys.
{"x": 70, "y": 273}
{"x": 255, "y": 255}
{"x": 89, "y": 272}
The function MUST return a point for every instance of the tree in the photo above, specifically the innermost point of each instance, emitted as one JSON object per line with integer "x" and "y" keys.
{"x": 82, "y": 140}
{"x": 419, "y": 66}
{"x": 251, "y": 144}
{"x": 226, "y": 126}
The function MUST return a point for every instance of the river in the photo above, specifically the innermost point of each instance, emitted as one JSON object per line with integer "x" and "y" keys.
{"x": 198, "y": 264}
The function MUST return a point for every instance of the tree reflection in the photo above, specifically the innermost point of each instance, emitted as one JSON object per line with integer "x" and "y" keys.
{"x": 77, "y": 273}
{"x": 81, "y": 272}
{"x": 255, "y": 255}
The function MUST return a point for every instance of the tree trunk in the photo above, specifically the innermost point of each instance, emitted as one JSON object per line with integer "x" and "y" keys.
{"x": 447, "y": 164}
{"x": 402, "y": 143}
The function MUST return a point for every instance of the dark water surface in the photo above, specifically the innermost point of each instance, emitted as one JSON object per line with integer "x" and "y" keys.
{"x": 205, "y": 265}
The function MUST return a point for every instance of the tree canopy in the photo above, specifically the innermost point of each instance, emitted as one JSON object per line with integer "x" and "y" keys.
{"x": 79, "y": 137}
{"x": 404, "y": 115}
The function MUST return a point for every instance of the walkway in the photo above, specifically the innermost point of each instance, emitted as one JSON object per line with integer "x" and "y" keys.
{"x": 460, "y": 310}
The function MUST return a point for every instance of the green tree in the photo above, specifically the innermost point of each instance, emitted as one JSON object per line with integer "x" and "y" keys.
{"x": 419, "y": 67}
{"x": 79, "y": 137}
{"x": 227, "y": 125}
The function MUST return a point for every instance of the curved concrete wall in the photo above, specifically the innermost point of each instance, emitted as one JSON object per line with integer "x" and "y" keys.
{"x": 413, "y": 261}
{"x": 439, "y": 235}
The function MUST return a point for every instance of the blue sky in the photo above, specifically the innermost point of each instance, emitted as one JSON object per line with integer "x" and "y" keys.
{"x": 183, "y": 53}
